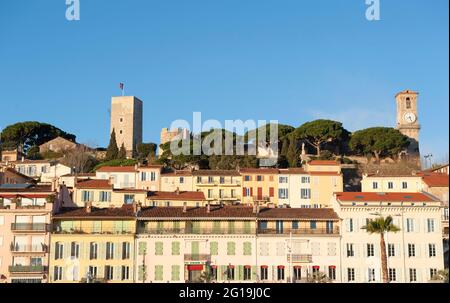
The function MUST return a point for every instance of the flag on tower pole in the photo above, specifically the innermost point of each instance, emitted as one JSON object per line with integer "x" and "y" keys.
{"x": 121, "y": 85}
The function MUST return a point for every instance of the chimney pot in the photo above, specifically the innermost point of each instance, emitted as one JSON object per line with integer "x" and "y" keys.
{"x": 177, "y": 191}
{"x": 208, "y": 208}
{"x": 184, "y": 207}
{"x": 88, "y": 207}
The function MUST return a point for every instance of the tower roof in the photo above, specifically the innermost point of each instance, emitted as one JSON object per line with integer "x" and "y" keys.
{"x": 407, "y": 92}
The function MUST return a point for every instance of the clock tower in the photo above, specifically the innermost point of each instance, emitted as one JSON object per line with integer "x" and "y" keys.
{"x": 407, "y": 119}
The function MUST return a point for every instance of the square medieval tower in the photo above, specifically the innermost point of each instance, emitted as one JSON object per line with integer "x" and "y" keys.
{"x": 126, "y": 120}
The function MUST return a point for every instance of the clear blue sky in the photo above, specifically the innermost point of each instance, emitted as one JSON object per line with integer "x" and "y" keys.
{"x": 288, "y": 60}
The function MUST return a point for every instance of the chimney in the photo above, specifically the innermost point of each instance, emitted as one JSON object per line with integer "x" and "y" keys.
{"x": 177, "y": 191}
{"x": 111, "y": 180}
{"x": 184, "y": 207}
{"x": 88, "y": 207}
{"x": 23, "y": 158}
{"x": 208, "y": 208}
{"x": 136, "y": 207}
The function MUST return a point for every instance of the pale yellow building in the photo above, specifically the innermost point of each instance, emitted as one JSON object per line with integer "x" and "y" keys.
{"x": 219, "y": 186}
{"x": 259, "y": 186}
{"x": 93, "y": 245}
{"x": 179, "y": 179}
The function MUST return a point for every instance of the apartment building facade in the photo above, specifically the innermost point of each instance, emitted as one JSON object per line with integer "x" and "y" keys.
{"x": 90, "y": 244}
{"x": 415, "y": 253}
{"x": 259, "y": 186}
{"x": 178, "y": 179}
{"x": 120, "y": 176}
{"x": 219, "y": 186}
{"x": 25, "y": 217}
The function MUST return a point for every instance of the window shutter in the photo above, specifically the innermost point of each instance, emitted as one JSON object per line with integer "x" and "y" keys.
{"x": 117, "y": 250}
{"x": 100, "y": 272}
{"x": 244, "y": 192}
{"x": 66, "y": 250}
{"x": 240, "y": 269}
{"x": 364, "y": 250}
{"x": 398, "y": 250}
{"x": 142, "y": 248}
{"x": 417, "y": 225}
{"x": 251, "y": 191}
{"x": 214, "y": 247}
{"x": 399, "y": 273}
{"x": 418, "y": 250}
{"x": 271, "y": 192}
{"x": 141, "y": 270}
{"x": 117, "y": 272}
{"x": 224, "y": 272}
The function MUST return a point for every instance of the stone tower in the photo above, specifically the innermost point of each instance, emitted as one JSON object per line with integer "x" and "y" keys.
{"x": 126, "y": 120}
{"x": 407, "y": 119}
{"x": 168, "y": 135}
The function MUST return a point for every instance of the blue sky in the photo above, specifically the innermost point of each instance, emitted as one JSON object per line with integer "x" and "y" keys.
{"x": 286, "y": 60}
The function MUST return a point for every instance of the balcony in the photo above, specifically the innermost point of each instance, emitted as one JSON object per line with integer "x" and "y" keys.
{"x": 299, "y": 231}
{"x": 29, "y": 227}
{"x": 261, "y": 198}
{"x": 93, "y": 231}
{"x": 299, "y": 258}
{"x": 22, "y": 248}
{"x": 216, "y": 183}
{"x": 27, "y": 269}
{"x": 29, "y": 206}
{"x": 197, "y": 257}
{"x": 4, "y": 206}
{"x": 202, "y": 231}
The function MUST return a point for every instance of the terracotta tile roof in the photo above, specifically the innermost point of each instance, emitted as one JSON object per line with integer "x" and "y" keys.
{"x": 24, "y": 195}
{"x": 125, "y": 212}
{"x": 259, "y": 171}
{"x": 130, "y": 190}
{"x": 324, "y": 173}
{"x": 93, "y": 183}
{"x": 31, "y": 189}
{"x": 117, "y": 169}
{"x": 177, "y": 173}
{"x": 151, "y": 166}
{"x": 80, "y": 175}
{"x": 298, "y": 213}
{"x": 434, "y": 179}
{"x": 15, "y": 172}
{"x": 28, "y": 161}
{"x": 383, "y": 197}
{"x": 197, "y": 212}
{"x": 182, "y": 195}
{"x": 323, "y": 162}
{"x": 292, "y": 171}
{"x": 207, "y": 172}
{"x": 407, "y": 92}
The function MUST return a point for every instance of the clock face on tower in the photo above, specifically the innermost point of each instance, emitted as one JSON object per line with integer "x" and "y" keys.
{"x": 409, "y": 118}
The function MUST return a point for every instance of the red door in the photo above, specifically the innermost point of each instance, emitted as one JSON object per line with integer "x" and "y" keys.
{"x": 259, "y": 193}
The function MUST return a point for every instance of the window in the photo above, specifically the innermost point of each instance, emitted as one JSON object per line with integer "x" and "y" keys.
{"x": 350, "y": 226}
{"x": 295, "y": 224}
{"x": 391, "y": 250}
{"x": 230, "y": 272}
{"x": 412, "y": 275}
{"x": 109, "y": 250}
{"x": 214, "y": 273}
{"x": 142, "y": 248}
{"x": 59, "y": 250}
{"x": 109, "y": 272}
{"x": 264, "y": 273}
{"x": 246, "y": 178}
{"x": 283, "y": 180}
{"x": 350, "y": 251}
{"x": 210, "y": 193}
{"x": 125, "y": 273}
{"x": 128, "y": 199}
{"x": 409, "y": 225}
{"x": 305, "y": 180}
{"x": 408, "y": 103}
{"x": 331, "y": 272}
{"x": 262, "y": 224}
{"x": 370, "y": 250}
{"x": 283, "y": 193}
{"x": 159, "y": 248}
{"x": 125, "y": 250}
{"x": 92, "y": 271}
{"x": 375, "y": 185}
{"x": 247, "y": 248}
{"x": 181, "y": 180}
{"x": 222, "y": 180}
{"x": 57, "y": 273}
{"x": 87, "y": 196}
{"x": 199, "y": 179}
{"x": 93, "y": 251}
{"x": 371, "y": 275}
{"x": 392, "y": 274}
{"x": 175, "y": 248}
{"x": 411, "y": 250}
{"x": 158, "y": 272}
{"x": 247, "y": 272}
{"x": 390, "y": 185}
{"x": 404, "y": 185}
{"x": 214, "y": 248}
{"x": 350, "y": 274}
{"x": 231, "y": 248}
{"x": 175, "y": 272}
{"x": 280, "y": 273}
{"x": 259, "y": 178}
{"x": 105, "y": 196}
{"x": 75, "y": 250}
{"x": 433, "y": 272}
{"x": 305, "y": 193}
{"x": 430, "y": 225}
{"x": 432, "y": 250}
{"x": 313, "y": 224}
{"x": 152, "y": 176}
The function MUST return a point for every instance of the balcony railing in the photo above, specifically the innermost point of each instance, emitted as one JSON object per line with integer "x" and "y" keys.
{"x": 4, "y": 206}
{"x": 27, "y": 269}
{"x": 20, "y": 248}
{"x": 29, "y": 206}
{"x": 299, "y": 258}
{"x": 197, "y": 257}
{"x": 29, "y": 227}
{"x": 201, "y": 231}
{"x": 308, "y": 231}
{"x": 216, "y": 183}
{"x": 100, "y": 231}
{"x": 261, "y": 198}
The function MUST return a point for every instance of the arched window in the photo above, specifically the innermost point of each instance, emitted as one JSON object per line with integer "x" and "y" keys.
{"x": 408, "y": 103}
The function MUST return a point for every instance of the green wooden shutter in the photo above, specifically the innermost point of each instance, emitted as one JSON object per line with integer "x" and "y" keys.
{"x": 254, "y": 273}
{"x": 175, "y": 272}
{"x": 195, "y": 249}
{"x": 175, "y": 248}
{"x": 240, "y": 272}
{"x": 159, "y": 226}
{"x": 231, "y": 248}
{"x": 216, "y": 227}
{"x": 247, "y": 248}
{"x": 223, "y": 276}
{"x": 141, "y": 272}
{"x": 231, "y": 229}
{"x": 158, "y": 272}
{"x": 176, "y": 226}
{"x": 158, "y": 248}
{"x": 214, "y": 248}
{"x": 96, "y": 227}
{"x": 142, "y": 248}
{"x": 247, "y": 227}
{"x": 196, "y": 227}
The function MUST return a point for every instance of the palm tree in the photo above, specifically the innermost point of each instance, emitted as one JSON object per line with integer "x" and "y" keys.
{"x": 381, "y": 226}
